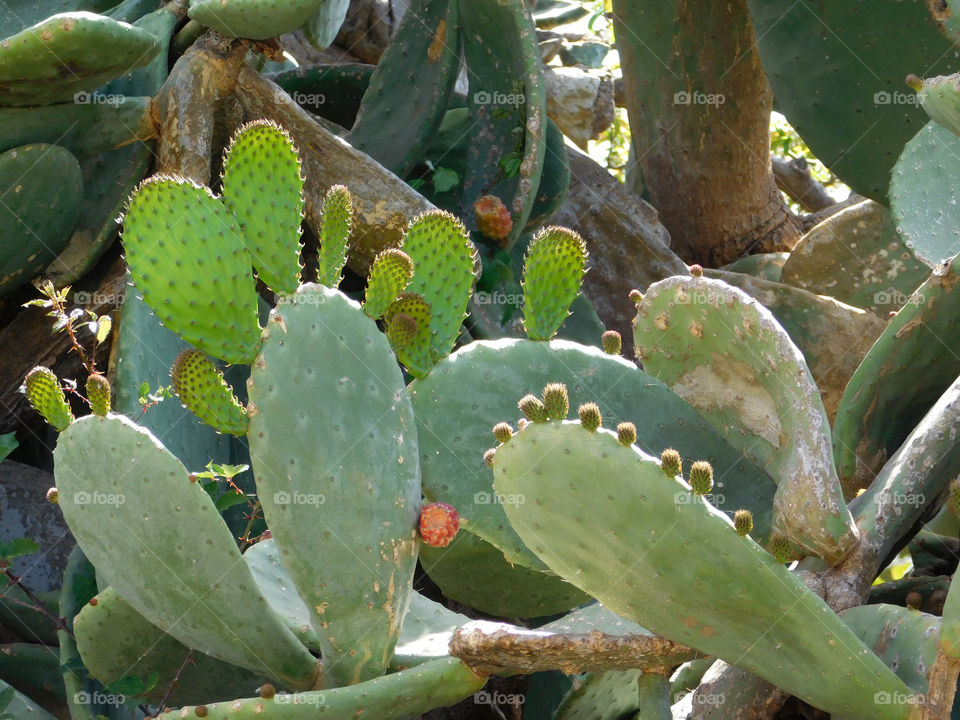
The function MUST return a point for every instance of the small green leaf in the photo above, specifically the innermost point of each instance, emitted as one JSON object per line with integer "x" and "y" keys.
{"x": 445, "y": 179}
{"x": 17, "y": 547}
{"x": 417, "y": 183}
{"x": 104, "y": 325}
{"x": 510, "y": 164}
{"x": 8, "y": 443}
{"x": 229, "y": 499}
{"x": 227, "y": 471}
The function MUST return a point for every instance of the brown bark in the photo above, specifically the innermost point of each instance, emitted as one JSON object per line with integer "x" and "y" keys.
{"x": 699, "y": 108}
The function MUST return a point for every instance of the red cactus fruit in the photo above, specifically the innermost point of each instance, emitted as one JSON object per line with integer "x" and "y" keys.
{"x": 493, "y": 218}
{"x": 439, "y": 523}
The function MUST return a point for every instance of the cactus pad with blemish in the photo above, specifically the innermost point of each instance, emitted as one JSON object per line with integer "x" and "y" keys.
{"x": 351, "y": 490}
{"x": 726, "y": 355}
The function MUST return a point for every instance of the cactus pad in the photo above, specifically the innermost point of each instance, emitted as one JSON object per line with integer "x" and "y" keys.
{"x": 263, "y": 188}
{"x": 350, "y": 491}
{"x": 253, "y": 19}
{"x": 407, "y": 321}
{"x": 45, "y": 395}
{"x": 35, "y": 224}
{"x": 924, "y": 195}
{"x": 476, "y": 387}
{"x": 67, "y": 56}
{"x": 188, "y": 257}
{"x": 335, "y": 234}
{"x": 126, "y": 498}
{"x": 390, "y": 274}
{"x": 726, "y": 355}
{"x": 443, "y": 260}
{"x": 98, "y": 393}
{"x": 202, "y": 390}
{"x": 552, "y": 273}
{"x": 629, "y": 546}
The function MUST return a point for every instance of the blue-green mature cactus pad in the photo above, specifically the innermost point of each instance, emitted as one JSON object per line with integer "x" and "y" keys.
{"x": 35, "y": 223}
{"x": 333, "y": 446}
{"x": 476, "y": 387}
{"x": 67, "y": 56}
{"x": 158, "y": 540}
{"x": 925, "y": 191}
{"x": 608, "y": 519}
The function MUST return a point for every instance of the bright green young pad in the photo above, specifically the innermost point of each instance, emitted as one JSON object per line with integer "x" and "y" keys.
{"x": 334, "y": 448}
{"x": 725, "y": 354}
{"x": 201, "y": 388}
{"x": 679, "y": 568}
{"x": 390, "y": 274}
{"x": 45, "y": 395}
{"x": 35, "y": 224}
{"x": 443, "y": 260}
{"x": 925, "y": 191}
{"x": 473, "y": 572}
{"x": 906, "y": 640}
{"x": 552, "y": 273}
{"x": 188, "y": 257}
{"x": 116, "y": 641}
{"x": 875, "y": 414}
{"x": 263, "y": 188}
{"x": 335, "y": 234}
{"x": 137, "y": 516}
{"x": 408, "y": 325}
{"x": 398, "y": 696}
{"x": 69, "y": 53}
{"x": 466, "y": 394}
{"x": 940, "y": 98}
{"x": 254, "y": 19}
